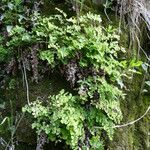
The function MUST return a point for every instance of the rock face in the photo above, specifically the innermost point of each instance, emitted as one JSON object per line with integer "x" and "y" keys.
{"x": 133, "y": 137}
{"x": 136, "y": 136}
{"x": 25, "y": 136}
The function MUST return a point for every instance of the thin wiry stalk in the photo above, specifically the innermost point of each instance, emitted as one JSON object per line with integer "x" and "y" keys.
{"x": 26, "y": 81}
{"x": 133, "y": 122}
{"x": 129, "y": 123}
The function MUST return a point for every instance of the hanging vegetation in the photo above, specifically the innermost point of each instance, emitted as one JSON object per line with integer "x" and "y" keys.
{"x": 86, "y": 54}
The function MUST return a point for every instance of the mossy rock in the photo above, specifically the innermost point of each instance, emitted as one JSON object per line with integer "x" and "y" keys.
{"x": 135, "y": 136}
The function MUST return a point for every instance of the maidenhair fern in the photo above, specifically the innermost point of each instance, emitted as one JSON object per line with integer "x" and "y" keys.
{"x": 88, "y": 54}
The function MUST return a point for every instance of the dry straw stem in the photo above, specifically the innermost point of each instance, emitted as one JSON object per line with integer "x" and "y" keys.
{"x": 134, "y": 11}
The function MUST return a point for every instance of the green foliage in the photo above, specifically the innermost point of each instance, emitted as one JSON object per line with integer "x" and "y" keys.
{"x": 108, "y": 96}
{"x": 62, "y": 118}
{"x": 88, "y": 53}
{"x": 16, "y": 19}
{"x": 68, "y": 37}
{"x": 3, "y": 53}
{"x": 81, "y": 119}
{"x": 11, "y": 11}
{"x": 20, "y": 36}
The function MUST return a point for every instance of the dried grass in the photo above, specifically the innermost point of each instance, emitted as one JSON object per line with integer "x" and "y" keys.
{"x": 134, "y": 12}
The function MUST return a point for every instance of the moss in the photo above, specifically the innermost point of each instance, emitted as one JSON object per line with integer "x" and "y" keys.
{"x": 133, "y": 137}
{"x": 142, "y": 127}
